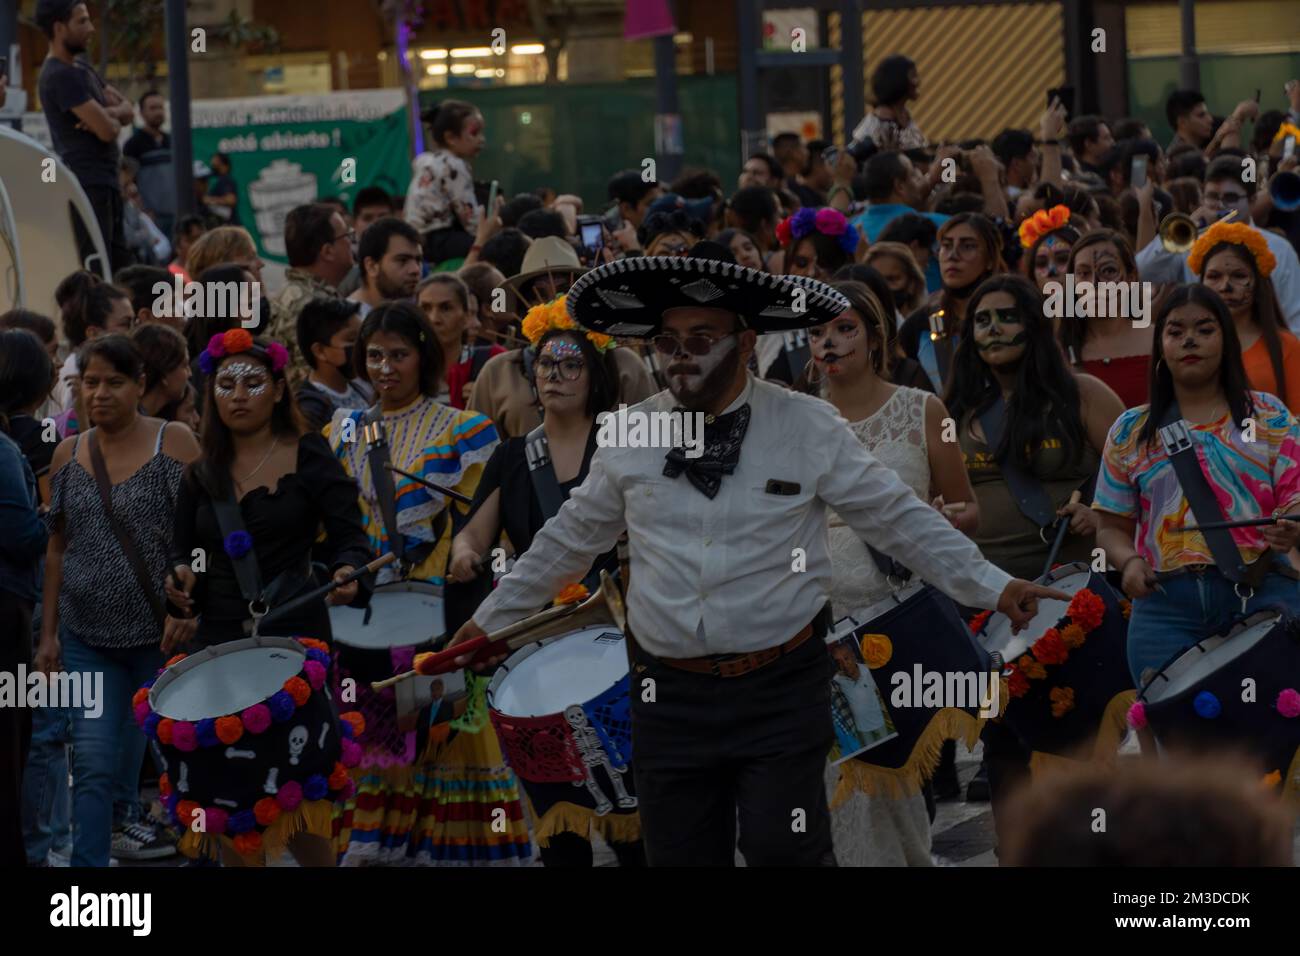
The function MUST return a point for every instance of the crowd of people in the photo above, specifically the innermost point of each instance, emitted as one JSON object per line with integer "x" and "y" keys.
{"x": 466, "y": 334}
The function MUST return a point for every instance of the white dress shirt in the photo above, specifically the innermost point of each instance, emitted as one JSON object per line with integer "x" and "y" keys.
{"x": 722, "y": 575}
{"x": 1157, "y": 264}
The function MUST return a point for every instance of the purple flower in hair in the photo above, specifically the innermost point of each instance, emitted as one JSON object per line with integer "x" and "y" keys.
{"x": 238, "y": 544}
{"x": 207, "y": 364}
{"x": 803, "y": 222}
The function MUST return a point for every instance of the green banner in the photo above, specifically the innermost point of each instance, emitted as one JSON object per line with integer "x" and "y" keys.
{"x": 289, "y": 150}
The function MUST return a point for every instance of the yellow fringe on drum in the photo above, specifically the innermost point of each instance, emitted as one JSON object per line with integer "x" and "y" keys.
{"x": 859, "y": 777}
{"x": 1110, "y": 734}
{"x": 1290, "y": 784}
{"x": 312, "y": 816}
{"x": 566, "y": 817}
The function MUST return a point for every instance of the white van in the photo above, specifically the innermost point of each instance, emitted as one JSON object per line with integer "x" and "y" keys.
{"x": 38, "y": 238}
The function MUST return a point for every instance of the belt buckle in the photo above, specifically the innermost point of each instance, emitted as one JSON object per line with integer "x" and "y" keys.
{"x": 715, "y": 667}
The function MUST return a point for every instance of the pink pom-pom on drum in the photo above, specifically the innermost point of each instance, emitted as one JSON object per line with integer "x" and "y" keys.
{"x": 216, "y": 820}
{"x": 183, "y": 736}
{"x": 256, "y": 718}
{"x": 1288, "y": 703}
{"x": 1137, "y": 715}
{"x": 315, "y": 672}
{"x": 141, "y": 712}
{"x": 289, "y": 796}
{"x": 351, "y": 753}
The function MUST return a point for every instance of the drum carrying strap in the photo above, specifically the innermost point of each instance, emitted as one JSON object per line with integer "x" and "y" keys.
{"x": 888, "y": 566}
{"x": 541, "y": 472}
{"x": 1181, "y": 450}
{"x": 378, "y": 457}
{"x": 1031, "y": 497}
{"x": 247, "y": 572}
{"x": 935, "y": 358}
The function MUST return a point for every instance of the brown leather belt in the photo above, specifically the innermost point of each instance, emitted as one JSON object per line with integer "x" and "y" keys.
{"x": 736, "y": 665}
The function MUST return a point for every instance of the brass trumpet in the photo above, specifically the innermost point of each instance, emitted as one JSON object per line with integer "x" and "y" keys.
{"x": 1178, "y": 231}
{"x": 602, "y": 609}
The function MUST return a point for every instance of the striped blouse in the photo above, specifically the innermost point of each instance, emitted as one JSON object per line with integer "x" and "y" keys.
{"x": 445, "y": 445}
{"x": 1251, "y": 479}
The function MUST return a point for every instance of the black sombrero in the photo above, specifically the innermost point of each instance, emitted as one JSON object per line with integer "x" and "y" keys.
{"x": 629, "y": 296}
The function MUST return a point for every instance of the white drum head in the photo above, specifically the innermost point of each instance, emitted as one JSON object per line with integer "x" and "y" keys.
{"x": 402, "y": 614}
{"x": 546, "y": 677}
{"x": 227, "y": 678}
{"x": 997, "y": 637}
{"x": 1196, "y": 664}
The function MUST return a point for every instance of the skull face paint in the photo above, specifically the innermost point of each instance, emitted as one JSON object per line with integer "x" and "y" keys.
{"x": 999, "y": 331}
{"x": 1050, "y": 260}
{"x": 255, "y": 377}
{"x": 839, "y": 346}
{"x": 700, "y": 366}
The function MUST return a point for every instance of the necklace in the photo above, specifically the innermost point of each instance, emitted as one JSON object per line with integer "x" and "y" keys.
{"x": 265, "y": 458}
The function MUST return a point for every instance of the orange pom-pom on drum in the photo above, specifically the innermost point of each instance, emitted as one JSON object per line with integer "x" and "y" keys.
{"x": 298, "y": 689}
{"x": 229, "y": 729}
{"x": 266, "y": 811}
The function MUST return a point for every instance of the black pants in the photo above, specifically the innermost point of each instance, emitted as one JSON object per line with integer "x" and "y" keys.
{"x": 106, "y": 201}
{"x": 1007, "y": 759}
{"x": 707, "y": 748}
{"x": 15, "y": 726}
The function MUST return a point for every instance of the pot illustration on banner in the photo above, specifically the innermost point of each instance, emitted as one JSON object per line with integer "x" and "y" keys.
{"x": 281, "y": 186}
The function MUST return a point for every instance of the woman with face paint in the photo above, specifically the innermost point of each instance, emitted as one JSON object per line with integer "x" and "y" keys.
{"x": 1248, "y": 447}
{"x": 1010, "y": 373}
{"x": 1234, "y": 260}
{"x": 577, "y": 379}
{"x": 97, "y": 616}
{"x": 412, "y": 811}
{"x": 1116, "y": 350}
{"x": 286, "y": 485}
{"x": 902, "y": 427}
{"x": 1047, "y": 237}
{"x": 970, "y": 250}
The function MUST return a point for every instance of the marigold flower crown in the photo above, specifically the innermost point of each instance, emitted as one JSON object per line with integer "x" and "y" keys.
{"x": 1237, "y": 234}
{"x": 1042, "y": 223}
{"x": 829, "y": 222}
{"x": 554, "y": 315}
{"x": 234, "y": 341}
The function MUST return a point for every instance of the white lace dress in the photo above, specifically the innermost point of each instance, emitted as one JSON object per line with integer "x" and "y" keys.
{"x": 877, "y": 830}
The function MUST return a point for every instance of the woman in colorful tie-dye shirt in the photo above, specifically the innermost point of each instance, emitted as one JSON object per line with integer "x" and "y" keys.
{"x": 1247, "y": 445}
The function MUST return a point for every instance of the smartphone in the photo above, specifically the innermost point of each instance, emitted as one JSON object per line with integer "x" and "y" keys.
{"x": 613, "y": 218}
{"x": 1066, "y": 95}
{"x": 591, "y": 232}
{"x": 1137, "y": 173}
{"x": 1288, "y": 147}
{"x": 492, "y": 198}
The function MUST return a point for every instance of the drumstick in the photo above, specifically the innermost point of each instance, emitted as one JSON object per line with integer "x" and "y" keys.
{"x": 444, "y": 662}
{"x": 453, "y": 495}
{"x": 1244, "y": 523}
{"x": 311, "y": 597}
{"x": 1062, "y": 527}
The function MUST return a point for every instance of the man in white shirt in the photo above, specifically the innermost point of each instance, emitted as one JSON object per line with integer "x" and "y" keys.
{"x": 729, "y": 568}
{"x": 1225, "y": 191}
{"x": 859, "y": 690}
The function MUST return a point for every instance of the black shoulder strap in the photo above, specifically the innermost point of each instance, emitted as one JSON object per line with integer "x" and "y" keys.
{"x": 1031, "y": 497}
{"x": 385, "y": 490}
{"x": 888, "y": 566}
{"x": 479, "y": 357}
{"x": 247, "y": 572}
{"x": 1177, "y": 441}
{"x": 120, "y": 531}
{"x": 541, "y": 471}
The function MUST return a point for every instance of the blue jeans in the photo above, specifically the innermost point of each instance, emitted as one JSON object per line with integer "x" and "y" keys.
{"x": 107, "y": 750}
{"x": 1194, "y": 607}
{"x": 47, "y": 801}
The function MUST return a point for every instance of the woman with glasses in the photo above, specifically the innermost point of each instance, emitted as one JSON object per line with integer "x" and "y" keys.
{"x": 577, "y": 379}
{"x": 1116, "y": 351}
{"x": 1234, "y": 260}
{"x": 433, "y": 807}
{"x": 670, "y": 233}
{"x": 970, "y": 250}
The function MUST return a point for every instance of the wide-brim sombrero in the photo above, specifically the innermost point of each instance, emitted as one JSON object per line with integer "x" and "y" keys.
{"x": 629, "y": 296}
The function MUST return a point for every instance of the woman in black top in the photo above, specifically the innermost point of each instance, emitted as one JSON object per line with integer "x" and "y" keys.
{"x": 287, "y": 484}
{"x": 575, "y": 381}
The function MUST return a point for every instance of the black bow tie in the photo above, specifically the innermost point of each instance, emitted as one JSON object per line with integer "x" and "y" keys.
{"x": 722, "y": 438}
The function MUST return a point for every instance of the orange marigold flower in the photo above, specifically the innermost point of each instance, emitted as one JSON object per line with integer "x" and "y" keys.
{"x": 1018, "y": 684}
{"x": 139, "y": 697}
{"x": 1049, "y": 648}
{"x": 229, "y": 729}
{"x": 1125, "y": 607}
{"x": 338, "y": 778}
{"x": 1031, "y": 668}
{"x": 1237, "y": 234}
{"x": 357, "y": 721}
{"x": 185, "y": 812}
{"x": 877, "y": 649}
{"x": 246, "y": 844}
{"x": 1062, "y": 700}
{"x": 601, "y": 341}
{"x": 298, "y": 689}
{"x": 165, "y": 730}
{"x": 979, "y": 620}
{"x": 237, "y": 340}
{"x": 1087, "y": 609}
{"x": 572, "y": 594}
{"x": 266, "y": 810}
{"x": 1073, "y": 636}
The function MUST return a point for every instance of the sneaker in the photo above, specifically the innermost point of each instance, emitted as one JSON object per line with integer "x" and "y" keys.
{"x": 56, "y": 858}
{"x": 140, "y": 841}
